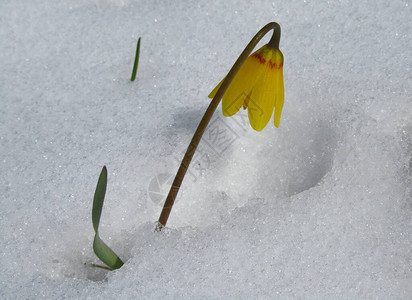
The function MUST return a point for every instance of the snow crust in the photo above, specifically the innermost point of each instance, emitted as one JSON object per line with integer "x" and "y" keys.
{"x": 319, "y": 208}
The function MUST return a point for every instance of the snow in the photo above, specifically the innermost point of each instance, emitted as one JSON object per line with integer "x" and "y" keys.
{"x": 319, "y": 208}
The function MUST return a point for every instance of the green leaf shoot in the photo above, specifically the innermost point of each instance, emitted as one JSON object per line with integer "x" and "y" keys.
{"x": 102, "y": 251}
{"x": 136, "y": 61}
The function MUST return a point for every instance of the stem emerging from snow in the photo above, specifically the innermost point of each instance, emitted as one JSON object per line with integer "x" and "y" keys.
{"x": 208, "y": 115}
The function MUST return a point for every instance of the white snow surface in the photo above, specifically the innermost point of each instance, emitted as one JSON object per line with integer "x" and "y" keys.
{"x": 318, "y": 208}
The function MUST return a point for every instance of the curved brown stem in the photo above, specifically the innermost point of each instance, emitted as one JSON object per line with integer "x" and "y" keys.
{"x": 274, "y": 42}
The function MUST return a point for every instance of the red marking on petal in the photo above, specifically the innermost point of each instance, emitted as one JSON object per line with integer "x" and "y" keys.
{"x": 275, "y": 65}
{"x": 260, "y": 58}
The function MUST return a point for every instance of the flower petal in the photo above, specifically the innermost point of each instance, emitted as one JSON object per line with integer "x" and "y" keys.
{"x": 267, "y": 89}
{"x": 280, "y": 96}
{"x": 258, "y": 86}
{"x": 240, "y": 87}
{"x": 279, "y": 87}
{"x": 213, "y": 93}
{"x": 262, "y": 100}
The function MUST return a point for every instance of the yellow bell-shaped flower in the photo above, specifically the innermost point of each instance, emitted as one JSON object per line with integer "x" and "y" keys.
{"x": 258, "y": 86}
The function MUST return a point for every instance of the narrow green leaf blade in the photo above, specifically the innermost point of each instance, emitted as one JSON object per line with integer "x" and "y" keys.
{"x": 106, "y": 254}
{"x": 136, "y": 61}
{"x": 99, "y": 198}
{"x": 101, "y": 250}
